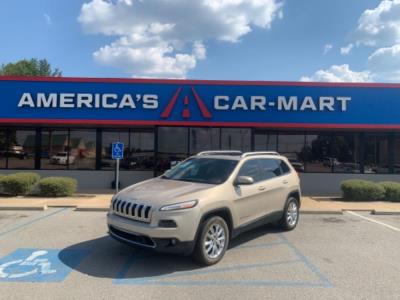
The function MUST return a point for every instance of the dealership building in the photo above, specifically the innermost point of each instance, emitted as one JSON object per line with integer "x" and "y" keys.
{"x": 329, "y": 131}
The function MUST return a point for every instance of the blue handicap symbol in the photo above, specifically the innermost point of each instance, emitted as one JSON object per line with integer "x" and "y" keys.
{"x": 117, "y": 150}
{"x": 39, "y": 265}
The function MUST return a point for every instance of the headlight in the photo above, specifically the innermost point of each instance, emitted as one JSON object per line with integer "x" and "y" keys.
{"x": 181, "y": 205}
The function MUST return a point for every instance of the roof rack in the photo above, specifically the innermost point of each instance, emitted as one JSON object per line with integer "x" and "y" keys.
{"x": 220, "y": 152}
{"x": 260, "y": 153}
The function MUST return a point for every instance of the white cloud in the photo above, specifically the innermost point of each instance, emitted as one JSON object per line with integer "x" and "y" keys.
{"x": 340, "y": 73}
{"x": 166, "y": 38}
{"x": 346, "y": 50}
{"x": 380, "y": 26}
{"x": 385, "y": 63}
{"x": 327, "y": 48}
{"x": 47, "y": 19}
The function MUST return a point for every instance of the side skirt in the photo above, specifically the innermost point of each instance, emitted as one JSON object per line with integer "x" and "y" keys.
{"x": 269, "y": 218}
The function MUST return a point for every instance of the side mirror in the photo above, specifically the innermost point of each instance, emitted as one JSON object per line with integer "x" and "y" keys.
{"x": 244, "y": 180}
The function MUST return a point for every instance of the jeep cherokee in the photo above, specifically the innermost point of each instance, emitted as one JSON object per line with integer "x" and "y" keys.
{"x": 206, "y": 200}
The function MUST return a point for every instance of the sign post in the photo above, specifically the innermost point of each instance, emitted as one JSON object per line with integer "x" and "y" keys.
{"x": 117, "y": 153}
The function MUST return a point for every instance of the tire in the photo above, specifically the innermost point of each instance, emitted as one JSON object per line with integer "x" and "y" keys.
{"x": 209, "y": 256}
{"x": 291, "y": 214}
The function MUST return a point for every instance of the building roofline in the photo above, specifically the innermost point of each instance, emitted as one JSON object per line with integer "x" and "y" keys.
{"x": 200, "y": 82}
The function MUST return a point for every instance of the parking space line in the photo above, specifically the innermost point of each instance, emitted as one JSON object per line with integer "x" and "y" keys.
{"x": 325, "y": 282}
{"x": 373, "y": 221}
{"x": 158, "y": 280}
{"x": 32, "y": 221}
{"x": 155, "y": 279}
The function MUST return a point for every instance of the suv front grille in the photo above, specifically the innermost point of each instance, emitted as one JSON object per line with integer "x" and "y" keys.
{"x": 134, "y": 211}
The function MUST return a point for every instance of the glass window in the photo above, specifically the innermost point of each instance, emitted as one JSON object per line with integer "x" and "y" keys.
{"x": 284, "y": 167}
{"x": 203, "y": 170}
{"x": 376, "y": 155}
{"x": 140, "y": 155}
{"x": 317, "y": 153}
{"x": 236, "y": 139}
{"x": 21, "y": 149}
{"x": 3, "y": 148}
{"x": 203, "y": 139}
{"x": 264, "y": 141}
{"x": 172, "y": 146}
{"x": 251, "y": 168}
{"x": 346, "y": 149}
{"x": 396, "y": 153}
{"x": 109, "y": 137}
{"x": 292, "y": 145}
{"x": 82, "y": 149}
{"x": 270, "y": 168}
{"x": 54, "y": 149}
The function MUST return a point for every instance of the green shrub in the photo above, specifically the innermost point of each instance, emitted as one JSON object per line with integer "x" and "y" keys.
{"x": 57, "y": 186}
{"x": 19, "y": 184}
{"x": 362, "y": 190}
{"x": 392, "y": 190}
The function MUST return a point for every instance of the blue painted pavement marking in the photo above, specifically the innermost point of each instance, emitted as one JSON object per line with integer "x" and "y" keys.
{"x": 32, "y": 221}
{"x": 39, "y": 265}
{"x": 158, "y": 280}
{"x": 325, "y": 281}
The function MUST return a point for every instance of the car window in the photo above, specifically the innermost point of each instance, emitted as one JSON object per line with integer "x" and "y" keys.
{"x": 270, "y": 168}
{"x": 285, "y": 168}
{"x": 251, "y": 168}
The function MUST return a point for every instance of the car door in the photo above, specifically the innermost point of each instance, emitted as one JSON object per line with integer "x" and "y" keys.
{"x": 274, "y": 181}
{"x": 249, "y": 198}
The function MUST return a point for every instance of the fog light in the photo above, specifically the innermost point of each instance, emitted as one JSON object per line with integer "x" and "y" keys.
{"x": 167, "y": 223}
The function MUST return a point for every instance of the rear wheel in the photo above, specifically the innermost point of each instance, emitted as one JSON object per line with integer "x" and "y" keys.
{"x": 290, "y": 216}
{"x": 212, "y": 241}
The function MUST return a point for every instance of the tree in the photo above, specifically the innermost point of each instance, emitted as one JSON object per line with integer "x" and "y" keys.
{"x": 32, "y": 67}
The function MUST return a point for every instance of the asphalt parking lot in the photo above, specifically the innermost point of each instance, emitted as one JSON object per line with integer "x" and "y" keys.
{"x": 63, "y": 254}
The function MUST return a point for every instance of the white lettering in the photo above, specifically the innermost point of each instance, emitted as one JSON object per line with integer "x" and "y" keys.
{"x": 107, "y": 97}
{"x": 84, "y": 100}
{"x": 308, "y": 103}
{"x": 50, "y": 101}
{"x": 284, "y": 104}
{"x": 343, "y": 101}
{"x": 218, "y": 105}
{"x": 26, "y": 100}
{"x": 127, "y": 101}
{"x": 326, "y": 102}
{"x": 150, "y": 101}
{"x": 67, "y": 100}
{"x": 257, "y": 101}
{"x": 239, "y": 103}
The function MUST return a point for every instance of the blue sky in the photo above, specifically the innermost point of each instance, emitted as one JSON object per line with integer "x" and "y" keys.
{"x": 275, "y": 40}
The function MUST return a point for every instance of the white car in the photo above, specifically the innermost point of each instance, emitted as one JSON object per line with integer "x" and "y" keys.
{"x": 61, "y": 158}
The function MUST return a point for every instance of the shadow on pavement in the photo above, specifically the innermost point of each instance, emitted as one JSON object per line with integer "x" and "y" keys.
{"x": 108, "y": 258}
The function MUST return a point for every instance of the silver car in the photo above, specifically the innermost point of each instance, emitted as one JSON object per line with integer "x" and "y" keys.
{"x": 198, "y": 206}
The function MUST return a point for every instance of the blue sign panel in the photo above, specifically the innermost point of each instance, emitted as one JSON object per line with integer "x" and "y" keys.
{"x": 117, "y": 150}
{"x": 39, "y": 265}
{"x": 208, "y": 103}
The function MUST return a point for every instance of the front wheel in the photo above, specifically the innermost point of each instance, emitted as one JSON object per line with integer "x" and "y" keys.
{"x": 212, "y": 241}
{"x": 290, "y": 216}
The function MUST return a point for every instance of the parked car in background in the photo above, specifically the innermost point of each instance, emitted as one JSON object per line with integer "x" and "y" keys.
{"x": 61, "y": 158}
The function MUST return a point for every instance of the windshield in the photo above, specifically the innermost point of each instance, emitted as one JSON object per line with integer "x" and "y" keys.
{"x": 204, "y": 170}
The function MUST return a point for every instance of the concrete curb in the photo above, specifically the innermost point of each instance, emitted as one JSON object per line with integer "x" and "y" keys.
{"x": 30, "y": 207}
{"x": 385, "y": 213}
{"x": 88, "y": 209}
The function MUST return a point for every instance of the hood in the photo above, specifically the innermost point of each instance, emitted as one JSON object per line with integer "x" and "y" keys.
{"x": 161, "y": 192}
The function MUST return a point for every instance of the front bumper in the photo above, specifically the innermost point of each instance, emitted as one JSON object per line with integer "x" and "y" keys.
{"x": 179, "y": 239}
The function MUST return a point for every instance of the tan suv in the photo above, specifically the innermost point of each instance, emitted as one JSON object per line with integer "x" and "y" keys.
{"x": 203, "y": 202}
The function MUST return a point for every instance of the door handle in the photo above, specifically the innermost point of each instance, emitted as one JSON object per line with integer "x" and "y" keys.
{"x": 261, "y": 188}
{"x": 285, "y": 182}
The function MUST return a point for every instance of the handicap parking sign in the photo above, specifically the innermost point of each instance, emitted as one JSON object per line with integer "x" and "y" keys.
{"x": 39, "y": 265}
{"x": 117, "y": 150}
